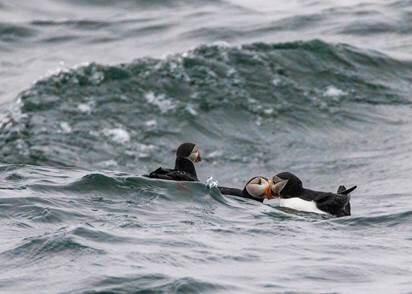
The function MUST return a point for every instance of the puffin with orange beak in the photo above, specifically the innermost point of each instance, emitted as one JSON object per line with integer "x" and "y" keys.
{"x": 257, "y": 188}
{"x": 187, "y": 154}
{"x": 288, "y": 188}
{"x": 291, "y": 193}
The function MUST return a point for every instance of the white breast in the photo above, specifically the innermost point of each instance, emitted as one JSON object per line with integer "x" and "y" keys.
{"x": 300, "y": 204}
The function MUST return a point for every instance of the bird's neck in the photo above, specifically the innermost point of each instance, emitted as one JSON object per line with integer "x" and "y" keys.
{"x": 185, "y": 165}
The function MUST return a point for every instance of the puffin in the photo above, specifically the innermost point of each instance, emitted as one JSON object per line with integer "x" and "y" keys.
{"x": 291, "y": 193}
{"x": 257, "y": 188}
{"x": 187, "y": 154}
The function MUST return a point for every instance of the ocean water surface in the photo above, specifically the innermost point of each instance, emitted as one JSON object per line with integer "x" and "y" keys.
{"x": 93, "y": 94}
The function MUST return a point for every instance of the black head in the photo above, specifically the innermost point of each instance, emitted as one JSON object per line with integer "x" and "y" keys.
{"x": 190, "y": 151}
{"x": 286, "y": 183}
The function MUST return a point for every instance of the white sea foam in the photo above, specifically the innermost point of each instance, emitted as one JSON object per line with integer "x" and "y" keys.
{"x": 146, "y": 150}
{"x": 117, "y": 135}
{"x": 332, "y": 91}
{"x": 164, "y": 104}
{"x": 211, "y": 183}
{"x": 85, "y": 108}
{"x": 189, "y": 108}
{"x": 151, "y": 123}
{"x": 268, "y": 111}
{"x": 65, "y": 127}
{"x": 276, "y": 82}
{"x": 215, "y": 154}
{"x": 108, "y": 163}
{"x": 221, "y": 43}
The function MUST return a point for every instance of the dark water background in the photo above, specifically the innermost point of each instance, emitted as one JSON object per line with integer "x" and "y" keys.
{"x": 318, "y": 88}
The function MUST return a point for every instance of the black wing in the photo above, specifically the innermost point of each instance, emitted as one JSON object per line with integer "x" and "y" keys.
{"x": 335, "y": 204}
{"x": 171, "y": 174}
{"x": 230, "y": 191}
{"x": 236, "y": 192}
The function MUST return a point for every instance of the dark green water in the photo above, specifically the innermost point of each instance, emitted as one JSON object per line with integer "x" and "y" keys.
{"x": 318, "y": 89}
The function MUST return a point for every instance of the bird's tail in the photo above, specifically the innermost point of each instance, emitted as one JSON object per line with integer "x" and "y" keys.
{"x": 342, "y": 190}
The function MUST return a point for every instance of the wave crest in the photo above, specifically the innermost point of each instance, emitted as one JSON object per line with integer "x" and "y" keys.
{"x": 121, "y": 114}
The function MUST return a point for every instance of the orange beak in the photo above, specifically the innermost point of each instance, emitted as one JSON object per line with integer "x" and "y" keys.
{"x": 198, "y": 159}
{"x": 268, "y": 192}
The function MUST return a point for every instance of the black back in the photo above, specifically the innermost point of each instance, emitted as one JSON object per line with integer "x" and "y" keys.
{"x": 172, "y": 175}
{"x": 335, "y": 204}
{"x": 294, "y": 186}
{"x": 184, "y": 168}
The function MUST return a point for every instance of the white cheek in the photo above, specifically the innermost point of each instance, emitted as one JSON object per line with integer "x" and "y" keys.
{"x": 193, "y": 156}
{"x": 255, "y": 190}
{"x": 278, "y": 187}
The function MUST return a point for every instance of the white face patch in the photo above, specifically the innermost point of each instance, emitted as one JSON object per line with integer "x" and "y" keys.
{"x": 194, "y": 155}
{"x": 257, "y": 187}
{"x": 277, "y": 186}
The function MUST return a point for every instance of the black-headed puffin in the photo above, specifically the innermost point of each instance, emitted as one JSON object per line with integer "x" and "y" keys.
{"x": 186, "y": 155}
{"x": 257, "y": 188}
{"x": 292, "y": 194}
